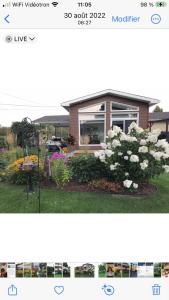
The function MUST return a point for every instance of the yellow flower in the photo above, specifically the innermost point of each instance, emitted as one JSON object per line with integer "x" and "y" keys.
{"x": 65, "y": 150}
{"x": 16, "y": 165}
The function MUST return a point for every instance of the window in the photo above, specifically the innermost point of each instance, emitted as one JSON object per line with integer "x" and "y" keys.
{"x": 92, "y": 129}
{"x": 123, "y": 115}
{"x": 98, "y": 107}
{"x": 122, "y": 106}
{"x": 120, "y": 124}
{"x": 124, "y": 120}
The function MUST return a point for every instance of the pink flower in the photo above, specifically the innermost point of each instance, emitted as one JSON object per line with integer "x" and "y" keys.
{"x": 57, "y": 155}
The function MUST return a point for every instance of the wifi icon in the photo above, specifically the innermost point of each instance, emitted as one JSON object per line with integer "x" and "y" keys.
{"x": 55, "y": 4}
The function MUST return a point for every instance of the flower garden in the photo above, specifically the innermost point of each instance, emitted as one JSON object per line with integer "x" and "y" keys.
{"x": 129, "y": 174}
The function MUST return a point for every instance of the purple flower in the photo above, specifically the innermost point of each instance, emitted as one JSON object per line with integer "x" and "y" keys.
{"x": 2, "y": 150}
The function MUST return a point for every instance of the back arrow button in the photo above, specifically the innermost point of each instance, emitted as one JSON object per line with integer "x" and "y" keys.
{"x": 6, "y": 19}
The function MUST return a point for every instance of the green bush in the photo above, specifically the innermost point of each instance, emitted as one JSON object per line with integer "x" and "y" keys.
{"x": 3, "y": 162}
{"x": 60, "y": 172}
{"x": 86, "y": 167}
{"x": 3, "y": 143}
{"x": 18, "y": 152}
{"x": 3, "y": 167}
{"x": 12, "y": 155}
{"x": 21, "y": 178}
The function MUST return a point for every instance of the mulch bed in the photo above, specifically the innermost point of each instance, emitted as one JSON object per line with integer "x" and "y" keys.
{"x": 145, "y": 189}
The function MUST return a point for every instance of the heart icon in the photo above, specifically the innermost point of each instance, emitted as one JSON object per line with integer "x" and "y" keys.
{"x": 59, "y": 289}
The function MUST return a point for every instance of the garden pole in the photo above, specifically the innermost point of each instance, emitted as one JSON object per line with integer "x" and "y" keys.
{"x": 39, "y": 191}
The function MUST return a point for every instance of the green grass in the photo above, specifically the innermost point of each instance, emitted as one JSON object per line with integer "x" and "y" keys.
{"x": 13, "y": 200}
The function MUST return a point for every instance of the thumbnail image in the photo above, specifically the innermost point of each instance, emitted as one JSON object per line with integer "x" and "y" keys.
{"x": 157, "y": 270}
{"x": 133, "y": 270}
{"x": 3, "y": 270}
{"x": 35, "y": 269}
{"x": 39, "y": 270}
{"x": 149, "y": 270}
{"x": 118, "y": 270}
{"x": 141, "y": 268}
{"x": 66, "y": 270}
{"x": 125, "y": 270}
{"x": 50, "y": 269}
{"x": 27, "y": 270}
{"x": 110, "y": 270}
{"x": 114, "y": 270}
{"x": 145, "y": 270}
{"x": 85, "y": 271}
{"x": 42, "y": 270}
{"x": 19, "y": 269}
{"x": 58, "y": 270}
{"x": 102, "y": 270}
{"x": 165, "y": 270}
{"x": 11, "y": 270}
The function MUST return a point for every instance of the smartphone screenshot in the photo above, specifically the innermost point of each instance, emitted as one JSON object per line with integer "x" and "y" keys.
{"x": 84, "y": 149}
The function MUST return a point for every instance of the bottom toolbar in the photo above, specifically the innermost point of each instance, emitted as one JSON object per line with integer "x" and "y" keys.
{"x": 83, "y": 289}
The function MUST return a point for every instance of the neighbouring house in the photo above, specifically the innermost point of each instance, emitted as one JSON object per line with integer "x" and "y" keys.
{"x": 60, "y": 123}
{"x": 159, "y": 120}
{"x": 90, "y": 117}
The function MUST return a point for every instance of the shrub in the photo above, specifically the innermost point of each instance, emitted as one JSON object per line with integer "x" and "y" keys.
{"x": 3, "y": 143}
{"x": 21, "y": 178}
{"x": 60, "y": 172}
{"x": 13, "y": 154}
{"x": 135, "y": 157}
{"x": 18, "y": 175}
{"x": 3, "y": 162}
{"x": 18, "y": 151}
{"x": 3, "y": 166}
{"x": 86, "y": 167}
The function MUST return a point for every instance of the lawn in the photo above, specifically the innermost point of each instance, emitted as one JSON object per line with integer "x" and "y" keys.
{"x": 13, "y": 200}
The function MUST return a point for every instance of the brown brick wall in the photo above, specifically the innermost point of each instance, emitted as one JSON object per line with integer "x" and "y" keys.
{"x": 74, "y": 126}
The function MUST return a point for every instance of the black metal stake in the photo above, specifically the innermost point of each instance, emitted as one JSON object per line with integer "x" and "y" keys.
{"x": 26, "y": 138}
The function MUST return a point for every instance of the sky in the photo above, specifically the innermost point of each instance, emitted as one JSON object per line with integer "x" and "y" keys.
{"x": 66, "y": 64}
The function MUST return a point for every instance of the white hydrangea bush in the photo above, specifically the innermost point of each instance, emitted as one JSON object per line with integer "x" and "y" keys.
{"x": 135, "y": 157}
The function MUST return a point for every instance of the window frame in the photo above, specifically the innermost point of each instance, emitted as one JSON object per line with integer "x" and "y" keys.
{"x": 136, "y": 108}
{"x": 124, "y": 119}
{"x": 91, "y": 113}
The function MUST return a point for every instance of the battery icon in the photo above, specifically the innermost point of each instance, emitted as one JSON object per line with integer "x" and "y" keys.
{"x": 161, "y": 4}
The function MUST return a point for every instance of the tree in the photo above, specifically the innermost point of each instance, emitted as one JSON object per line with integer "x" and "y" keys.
{"x": 24, "y": 131}
{"x": 158, "y": 109}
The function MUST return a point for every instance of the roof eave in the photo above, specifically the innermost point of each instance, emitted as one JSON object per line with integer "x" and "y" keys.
{"x": 150, "y": 101}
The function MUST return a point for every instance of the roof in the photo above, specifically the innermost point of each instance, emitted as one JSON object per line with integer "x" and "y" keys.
{"x": 60, "y": 120}
{"x": 158, "y": 116}
{"x": 150, "y": 101}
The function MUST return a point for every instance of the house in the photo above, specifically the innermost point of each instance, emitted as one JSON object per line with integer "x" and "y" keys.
{"x": 90, "y": 117}
{"x": 159, "y": 120}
